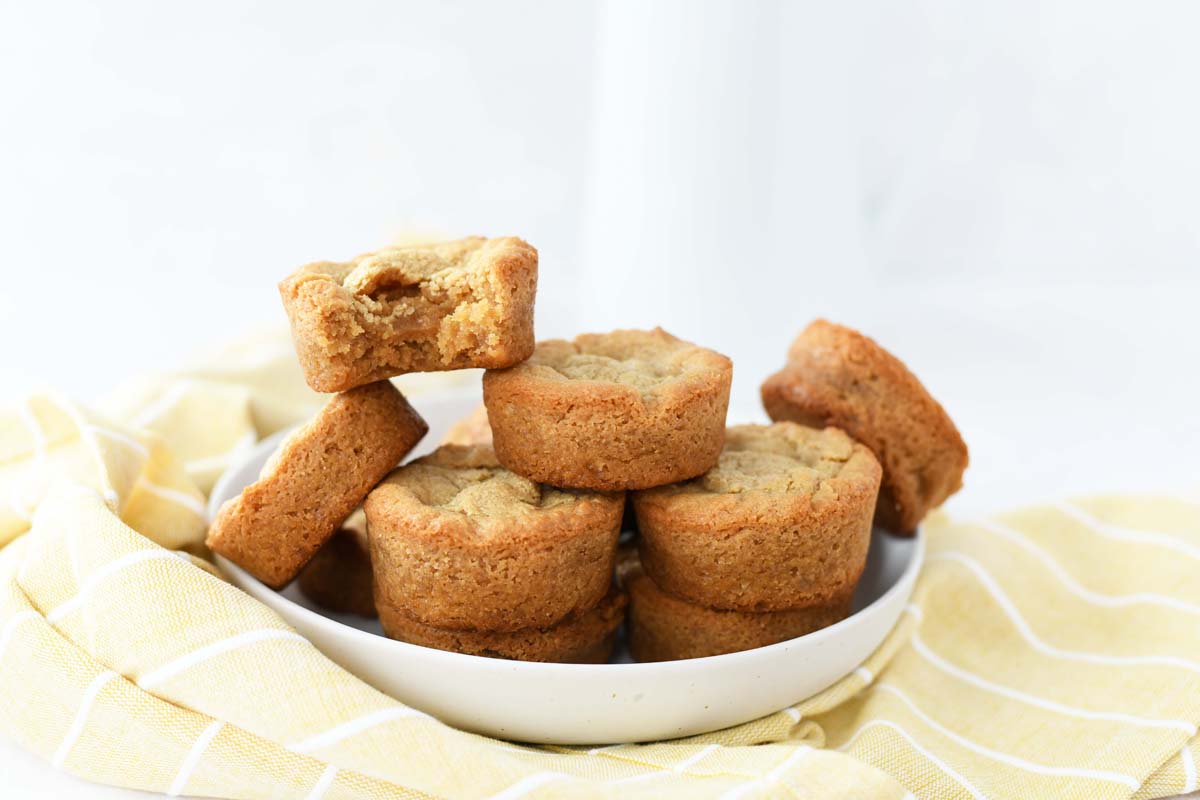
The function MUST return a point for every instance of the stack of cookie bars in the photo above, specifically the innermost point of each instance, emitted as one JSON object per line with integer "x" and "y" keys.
{"x": 507, "y": 541}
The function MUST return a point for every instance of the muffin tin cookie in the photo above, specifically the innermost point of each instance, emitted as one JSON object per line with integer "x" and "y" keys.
{"x": 585, "y": 638}
{"x": 420, "y": 308}
{"x": 312, "y": 483}
{"x": 782, "y": 521}
{"x": 662, "y": 627}
{"x": 622, "y": 410}
{"x": 836, "y": 376}
{"x": 458, "y": 542}
{"x": 338, "y": 577}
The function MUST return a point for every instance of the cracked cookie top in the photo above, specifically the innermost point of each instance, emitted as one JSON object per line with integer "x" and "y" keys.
{"x": 469, "y": 480}
{"x": 783, "y": 458}
{"x": 644, "y": 361}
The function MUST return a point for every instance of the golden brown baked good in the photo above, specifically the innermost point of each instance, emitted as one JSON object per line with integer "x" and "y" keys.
{"x": 836, "y": 376}
{"x": 661, "y": 627}
{"x": 313, "y": 482}
{"x": 621, "y": 410}
{"x": 459, "y": 542}
{"x": 585, "y": 638}
{"x": 415, "y": 308}
{"x": 782, "y": 521}
{"x": 471, "y": 429}
{"x": 338, "y": 577}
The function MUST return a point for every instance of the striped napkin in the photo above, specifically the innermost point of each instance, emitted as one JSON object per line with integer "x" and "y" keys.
{"x": 1047, "y": 652}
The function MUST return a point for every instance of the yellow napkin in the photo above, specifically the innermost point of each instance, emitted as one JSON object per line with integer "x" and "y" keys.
{"x": 1049, "y": 652}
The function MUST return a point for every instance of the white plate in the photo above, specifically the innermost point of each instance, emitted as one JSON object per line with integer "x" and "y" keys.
{"x": 590, "y": 703}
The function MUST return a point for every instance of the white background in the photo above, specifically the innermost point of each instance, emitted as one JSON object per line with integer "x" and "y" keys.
{"x": 1005, "y": 195}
